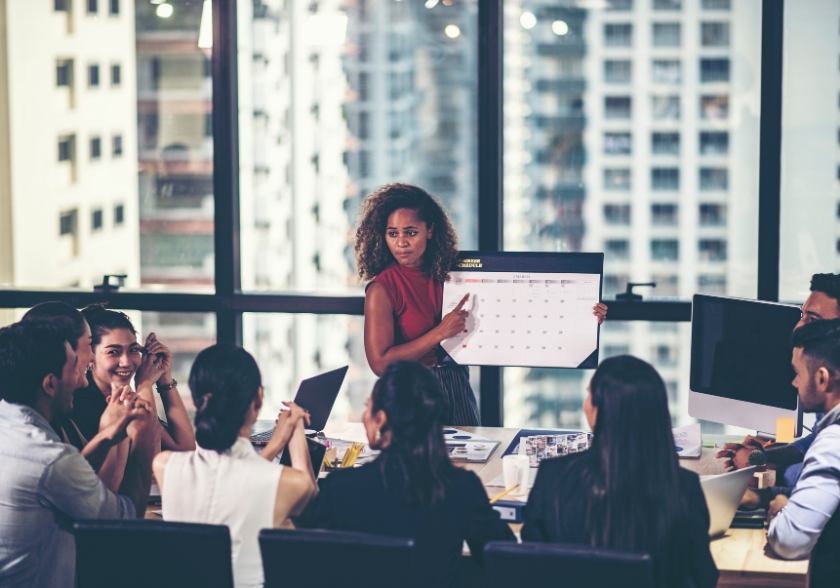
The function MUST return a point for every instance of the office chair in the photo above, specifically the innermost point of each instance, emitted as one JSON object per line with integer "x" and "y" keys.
{"x": 335, "y": 558}
{"x": 535, "y": 564}
{"x": 140, "y": 553}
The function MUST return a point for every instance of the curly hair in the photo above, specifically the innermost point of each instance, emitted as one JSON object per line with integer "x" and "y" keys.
{"x": 372, "y": 252}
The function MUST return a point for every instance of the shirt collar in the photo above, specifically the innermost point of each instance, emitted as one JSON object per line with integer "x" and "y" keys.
{"x": 830, "y": 418}
{"x": 26, "y": 415}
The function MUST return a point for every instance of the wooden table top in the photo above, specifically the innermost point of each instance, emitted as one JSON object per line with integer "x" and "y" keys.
{"x": 741, "y": 555}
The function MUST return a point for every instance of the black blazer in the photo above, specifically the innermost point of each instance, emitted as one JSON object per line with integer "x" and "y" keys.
{"x": 362, "y": 500}
{"x": 560, "y": 477}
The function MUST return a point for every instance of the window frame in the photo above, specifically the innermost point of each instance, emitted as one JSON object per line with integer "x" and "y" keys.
{"x": 229, "y": 302}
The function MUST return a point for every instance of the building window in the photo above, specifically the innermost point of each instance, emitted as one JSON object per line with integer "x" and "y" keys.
{"x": 666, "y": 71}
{"x": 93, "y": 76}
{"x": 617, "y": 143}
{"x": 617, "y": 179}
{"x": 116, "y": 145}
{"x": 664, "y": 215}
{"x": 364, "y": 163}
{"x": 714, "y": 34}
{"x": 65, "y": 148}
{"x": 665, "y": 250}
{"x": 92, "y": 6}
{"x": 364, "y": 125}
{"x": 712, "y": 215}
{"x": 613, "y": 284}
{"x": 717, "y": 4}
{"x": 61, "y": 5}
{"x": 619, "y": 4}
{"x": 714, "y": 178}
{"x": 714, "y": 143}
{"x": 665, "y": 178}
{"x": 665, "y": 355}
{"x": 617, "y": 72}
{"x": 208, "y": 125}
{"x": 96, "y": 219}
{"x": 119, "y": 214}
{"x": 666, "y": 285}
{"x": 67, "y": 223}
{"x": 95, "y": 148}
{"x": 714, "y": 70}
{"x": 712, "y": 250}
{"x": 714, "y": 107}
{"x": 114, "y": 7}
{"x": 666, "y": 107}
{"x": 618, "y": 35}
{"x": 665, "y": 143}
{"x": 616, "y": 249}
{"x": 116, "y": 75}
{"x": 711, "y": 284}
{"x": 364, "y": 83}
{"x": 667, "y": 34}
{"x": 667, "y": 4}
{"x": 617, "y": 214}
{"x": 617, "y": 107}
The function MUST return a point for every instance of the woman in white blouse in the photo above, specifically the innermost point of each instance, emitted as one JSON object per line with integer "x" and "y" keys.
{"x": 224, "y": 481}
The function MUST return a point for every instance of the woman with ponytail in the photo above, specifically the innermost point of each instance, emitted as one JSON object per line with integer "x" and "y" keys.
{"x": 224, "y": 481}
{"x": 628, "y": 491}
{"x": 412, "y": 489}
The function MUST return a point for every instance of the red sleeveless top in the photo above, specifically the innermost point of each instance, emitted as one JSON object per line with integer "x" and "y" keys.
{"x": 417, "y": 300}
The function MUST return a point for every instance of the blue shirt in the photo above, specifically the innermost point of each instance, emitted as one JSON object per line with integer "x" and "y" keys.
{"x": 45, "y": 486}
{"x": 794, "y": 532}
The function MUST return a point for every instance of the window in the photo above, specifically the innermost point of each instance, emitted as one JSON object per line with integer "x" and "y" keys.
{"x": 714, "y": 107}
{"x": 114, "y": 7}
{"x": 665, "y": 143}
{"x": 716, "y": 4}
{"x": 714, "y": 34}
{"x": 208, "y": 125}
{"x": 667, "y": 34}
{"x": 116, "y": 145}
{"x": 616, "y": 179}
{"x": 364, "y": 125}
{"x": 665, "y": 178}
{"x": 713, "y": 250}
{"x": 665, "y": 355}
{"x": 617, "y": 72}
{"x": 711, "y": 284}
{"x": 665, "y": 107}
{"x": 116, "y": 77}
{"x": 714, "y": 70}
{"x": 67, "y": 223}
{"x": 618, "y": 35}
{"x": 619, "y": 4}
{"x": 712, "y": 215}
{"x": 714, "y": 178}
{"x": 617, "y": 143}
{"x": 613, "y": 284}
{"x": 119, "y": 215}
{"x": 666, "y": 71}
{"x": 92, "y": 6}
{"x": 667, "y": 285}
{"x": 667, "y": 4}
{"x": 64, "y": 72}
{"x": 664, "y": 250}
{"x": 96, "y": 219}
{"x": 95, "y": 147}
{"x": 617, "y": 249}
{"x": 65, "y": 148}
{"x": 364, "y": 83}
{"x": 61, "y": 5}
{"x": 93, "y": 76}
{"x": 714, "y": 143}
{"x": 364, "y": 164}
{"x": 617, "y": 107}
{"x": 664, "y": 214}
{"x": 617, "y": 214}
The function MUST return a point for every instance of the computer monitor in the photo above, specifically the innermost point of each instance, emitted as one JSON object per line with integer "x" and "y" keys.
{"x": 740, "y": 363}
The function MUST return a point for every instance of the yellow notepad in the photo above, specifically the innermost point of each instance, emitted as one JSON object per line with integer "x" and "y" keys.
{"x": 784, "y": 430}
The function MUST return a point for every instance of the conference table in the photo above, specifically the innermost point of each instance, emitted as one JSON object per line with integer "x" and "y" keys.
{"x": 741, "y": 555}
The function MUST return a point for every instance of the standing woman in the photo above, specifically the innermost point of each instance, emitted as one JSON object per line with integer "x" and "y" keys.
{"x": 406, "y": 246}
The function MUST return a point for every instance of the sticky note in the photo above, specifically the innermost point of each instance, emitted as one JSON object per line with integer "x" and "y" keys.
{"x": 784, "y": 430}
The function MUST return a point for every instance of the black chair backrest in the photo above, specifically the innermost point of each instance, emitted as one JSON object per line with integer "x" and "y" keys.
{"x": 556, "y": 564}
{"x": 335, "y": 558}
{"x": 140, "y": 554}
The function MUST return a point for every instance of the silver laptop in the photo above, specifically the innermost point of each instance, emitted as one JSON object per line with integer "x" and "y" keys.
{"x": 723, "y": 496}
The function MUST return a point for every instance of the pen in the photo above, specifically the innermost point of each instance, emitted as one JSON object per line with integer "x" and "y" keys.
{"x": 511, "y": 489}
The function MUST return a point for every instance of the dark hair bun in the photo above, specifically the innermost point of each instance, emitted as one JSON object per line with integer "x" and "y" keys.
{"x": 224, "y": 381}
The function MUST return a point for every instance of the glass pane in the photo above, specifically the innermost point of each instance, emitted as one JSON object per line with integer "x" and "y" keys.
{"x": 810, "y": 219}
{"x": 109, "y": 168}
{"x": 336, "y": 99}
{"x": 632, "y": 128}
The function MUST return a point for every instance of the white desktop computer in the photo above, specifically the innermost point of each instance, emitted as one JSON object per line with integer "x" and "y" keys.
{"x": 740, "y": 363}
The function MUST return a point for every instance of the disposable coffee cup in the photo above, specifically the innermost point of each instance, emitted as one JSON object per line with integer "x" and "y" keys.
{"x": 516, "y": 469}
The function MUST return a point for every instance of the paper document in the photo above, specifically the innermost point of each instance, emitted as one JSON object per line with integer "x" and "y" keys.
{"x": 688, "y": 440}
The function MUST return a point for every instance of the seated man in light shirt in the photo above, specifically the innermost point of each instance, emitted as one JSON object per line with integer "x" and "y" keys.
{"x": 807, "y": 522}
{"x": 45, "y": 484}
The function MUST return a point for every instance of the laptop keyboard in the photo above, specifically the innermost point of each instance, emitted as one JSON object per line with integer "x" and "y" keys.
{"x": 262, "y": 436}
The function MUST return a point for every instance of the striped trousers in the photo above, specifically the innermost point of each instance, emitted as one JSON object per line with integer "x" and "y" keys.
{"x": 454, "y": 380}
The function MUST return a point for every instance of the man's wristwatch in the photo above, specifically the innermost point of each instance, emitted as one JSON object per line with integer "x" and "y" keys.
{"x": 161, "y": 388}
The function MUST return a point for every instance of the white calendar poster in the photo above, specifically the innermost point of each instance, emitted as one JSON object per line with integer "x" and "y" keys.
{"x": 534, "y": 319}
